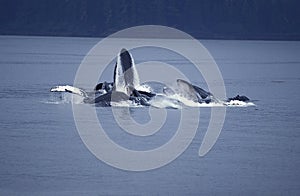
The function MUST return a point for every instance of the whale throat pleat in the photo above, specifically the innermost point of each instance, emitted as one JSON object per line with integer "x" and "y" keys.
{"x": 125, "y": 73}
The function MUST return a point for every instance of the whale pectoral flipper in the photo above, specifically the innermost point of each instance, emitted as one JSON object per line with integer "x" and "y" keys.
{"x": 69, "y": 89}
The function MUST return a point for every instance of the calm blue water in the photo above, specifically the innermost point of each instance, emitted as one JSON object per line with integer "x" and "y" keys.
{"x": 258, "y": 151}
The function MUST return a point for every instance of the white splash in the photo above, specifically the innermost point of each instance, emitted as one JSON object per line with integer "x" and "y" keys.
{"x": 145, "y": 88}
{"x": 237, "y": 103}
{"x": 216, "y": 103}
{"x": 161, "y": 101}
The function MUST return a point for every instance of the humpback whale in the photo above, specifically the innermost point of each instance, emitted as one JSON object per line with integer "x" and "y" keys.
{"x": 125, "y": 87}
{"x": 199, "y": 95}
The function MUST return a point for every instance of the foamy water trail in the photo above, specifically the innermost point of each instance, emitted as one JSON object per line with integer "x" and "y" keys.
{"x": 162, "y": 101}
{"x": 237, "y": 103}
{"x": 64, "y": 98}
{"x": 218, "y": 103}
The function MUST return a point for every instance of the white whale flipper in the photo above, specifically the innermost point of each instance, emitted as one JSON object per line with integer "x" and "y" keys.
{"x": 69, "y": 89}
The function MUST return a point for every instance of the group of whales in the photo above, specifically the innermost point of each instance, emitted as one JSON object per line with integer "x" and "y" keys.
{"x": 126, "y": 87}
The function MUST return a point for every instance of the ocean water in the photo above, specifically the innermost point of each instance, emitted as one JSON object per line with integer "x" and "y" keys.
{"x": 257, "y": 152}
